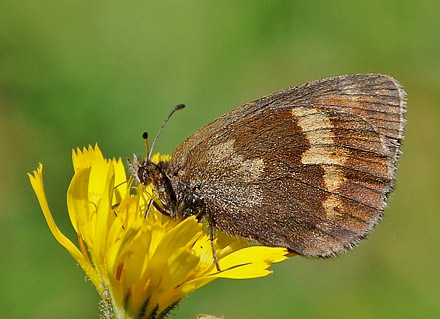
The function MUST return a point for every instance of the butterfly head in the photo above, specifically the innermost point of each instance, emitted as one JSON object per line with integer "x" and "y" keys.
{"x": 141, "y": 170}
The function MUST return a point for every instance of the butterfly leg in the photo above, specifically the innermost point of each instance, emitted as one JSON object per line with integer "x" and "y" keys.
{"x": 211, "y": 238}
{"x": 210, "y": 221}
{"x": 162, "y": 210}
{"x": 150, "y": 203}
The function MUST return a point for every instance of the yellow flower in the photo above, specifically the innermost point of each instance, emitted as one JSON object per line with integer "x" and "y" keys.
{"x": 142, "y": 267}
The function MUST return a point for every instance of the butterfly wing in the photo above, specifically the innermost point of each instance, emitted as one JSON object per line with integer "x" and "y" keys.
{"x": 308, "y": 168}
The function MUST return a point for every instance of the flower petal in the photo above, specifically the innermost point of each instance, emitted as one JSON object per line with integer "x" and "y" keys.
{"x": 37, "y": 184}
{"x": 253, "y": 254}
{"x": 104, "y": 217}
{"x": 77, "y": 199}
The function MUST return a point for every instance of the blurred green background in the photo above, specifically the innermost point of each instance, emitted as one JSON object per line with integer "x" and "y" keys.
{"x": 73, "y": 73}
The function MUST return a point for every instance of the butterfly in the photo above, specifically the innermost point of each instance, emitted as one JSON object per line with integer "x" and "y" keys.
{"x": 308, "y": 168}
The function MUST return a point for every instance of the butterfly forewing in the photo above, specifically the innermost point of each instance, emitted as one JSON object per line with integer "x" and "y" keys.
{"x": 307, "y": 168}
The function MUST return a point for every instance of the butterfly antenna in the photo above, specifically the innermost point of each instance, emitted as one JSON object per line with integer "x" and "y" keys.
{"x": 176, "y": 108}
{"x": 147, "y": 145}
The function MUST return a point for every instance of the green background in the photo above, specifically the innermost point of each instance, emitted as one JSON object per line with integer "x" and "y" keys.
{"x": 73, "y": 73}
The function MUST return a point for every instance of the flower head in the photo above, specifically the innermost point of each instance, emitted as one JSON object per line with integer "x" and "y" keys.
{"x": 142, "y": 266}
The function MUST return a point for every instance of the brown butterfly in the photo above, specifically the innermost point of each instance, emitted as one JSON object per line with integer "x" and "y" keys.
{"x": 308, "y": 168}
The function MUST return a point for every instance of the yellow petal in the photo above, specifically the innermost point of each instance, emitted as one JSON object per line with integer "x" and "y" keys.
{"x": 253, "y": 254}
{"x": 87, "y": 157}
{"x": 78, "y": 202}
{"x": 121, "y": 185}
{"x": 120, "y": 271}
{"x": 104, "y": 216}
{"x": 37, "y": 184}
{"x": 156, "y": 158}
{"x": 184, "y": 233}
{"x": 246, "y": 271}
{"x": 92, "y": 158}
